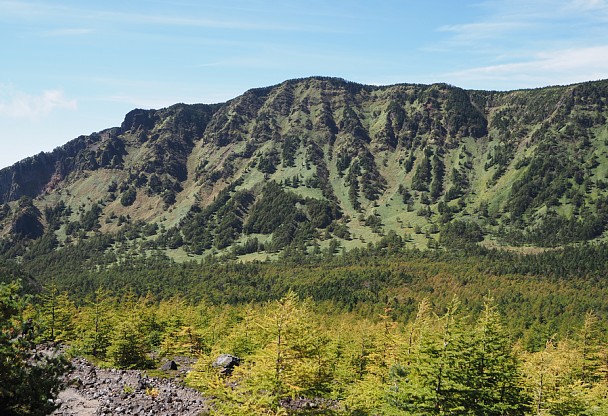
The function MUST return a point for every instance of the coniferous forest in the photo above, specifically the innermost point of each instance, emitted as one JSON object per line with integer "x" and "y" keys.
{"x": 383, "y": 330}
{"x": 362, "y": 250}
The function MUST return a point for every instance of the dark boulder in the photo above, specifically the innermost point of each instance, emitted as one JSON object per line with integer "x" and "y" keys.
{"x": 169, "y": 366}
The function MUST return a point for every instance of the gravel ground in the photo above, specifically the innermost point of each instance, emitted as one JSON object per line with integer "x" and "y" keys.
{"x": 95, "y": 391}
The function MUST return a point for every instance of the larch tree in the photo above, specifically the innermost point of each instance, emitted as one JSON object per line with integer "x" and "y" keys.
{"x": 57, "y": 314}
{"x": 493, "y": 377}
{"x": 433, "y": 381}
{"x": 94, "y": 324}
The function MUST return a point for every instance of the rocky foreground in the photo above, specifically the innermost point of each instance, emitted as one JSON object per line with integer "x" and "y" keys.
{"x": 95, "y": 391}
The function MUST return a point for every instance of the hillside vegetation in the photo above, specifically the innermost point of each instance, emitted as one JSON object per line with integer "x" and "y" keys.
{"x": 314, "y": 160}
{"x": 405, "y": 249}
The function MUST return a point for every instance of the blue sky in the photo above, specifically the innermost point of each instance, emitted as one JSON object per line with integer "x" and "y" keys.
{"x": 73, "y": 67}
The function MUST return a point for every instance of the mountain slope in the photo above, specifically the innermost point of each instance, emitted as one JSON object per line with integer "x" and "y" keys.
{"x": 317, "y": 161}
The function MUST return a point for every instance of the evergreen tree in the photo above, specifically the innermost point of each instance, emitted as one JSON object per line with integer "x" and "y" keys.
{"x": 451, "y": 367}
{"x": 423, "y": 175}
{"x": 438, "y": 170}
{"x": 49, "y": 308}
{"x": 552, "y": 382}
{"x": 292, "y": 362}
{"x": 376, "y": 352}
{"x": 133, "y": 329}
{"x": 588, "y": 346}
{"x": 127, "y": 344}
{"x": 29, "y": 380}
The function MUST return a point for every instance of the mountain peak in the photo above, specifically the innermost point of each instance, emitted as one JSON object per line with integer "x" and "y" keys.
{"x": 351, "y": 161}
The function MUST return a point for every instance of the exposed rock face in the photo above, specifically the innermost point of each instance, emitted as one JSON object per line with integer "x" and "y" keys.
{"x": 138, "y": 119}
{"x": 94, "y": 391}
{"x": 163, "y": 139}
{"x": 26, "y": 221}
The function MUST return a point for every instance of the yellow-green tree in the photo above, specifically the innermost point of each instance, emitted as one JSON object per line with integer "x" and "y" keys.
{"x": 568, "y": 376}
{"x": 552, "y": 380}
{"x": 292, "y": 357}
{"x": 57, "y": 312}
{"x": 180, "y": 334}
{"x": 373, "y": 351}
{"x": 588, "y": 345}
{"x": 135, "y": 327}
{"x": 453, "y": 366}
{"x": 294, "y": 360}
{"x": 94, "y": 324}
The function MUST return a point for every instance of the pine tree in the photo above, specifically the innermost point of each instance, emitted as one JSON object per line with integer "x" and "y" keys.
{"x": 134, "y": 328}
{"x": 552, "y": 380}
{"x": 452, "y": 367}
{"x": 49, "y": 308}
{"x": 293, "y": 363}
{"x": 598, "y": 391}
{"x": 588, "y": 346}
{"x": 127, "y": 344}
{"x": 29, "y": 380}
{"x": 419, "y": 328}
{"x": 291, "y": 360}
{"x": 369, "y": 367}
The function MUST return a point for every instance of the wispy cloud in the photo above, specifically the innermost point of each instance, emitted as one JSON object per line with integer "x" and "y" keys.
{"x": 525, "y": 22}
{"x": 588, "y": 5}
{"x": 68, "y": 32}
{"x": 526, "y": 44}
{"x": 212, "y": 23}
{"x": 33, "y": 10}
{"x": 550, "y": 67}
{"x": 17, "y": 104}
{"x": 482, "y": 30}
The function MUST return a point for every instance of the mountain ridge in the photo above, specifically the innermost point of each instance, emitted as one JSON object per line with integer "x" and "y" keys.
{"x": 353, "y": 162}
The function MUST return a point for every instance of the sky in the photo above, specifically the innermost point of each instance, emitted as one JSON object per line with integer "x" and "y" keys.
{"x": 71, "y": 67}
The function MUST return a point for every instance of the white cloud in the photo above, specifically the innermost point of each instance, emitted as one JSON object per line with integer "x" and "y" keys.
{"x": 17, "y": 104}
{"x": 481, "y": 30}
{"x": 103, "y": 15}
{"x": 68, "y": 32}
{"x": 522, "y": 44}
{"x": 589, "y": 4}
{"x": 523, "y": 22}
{"x": 544, "y": 68}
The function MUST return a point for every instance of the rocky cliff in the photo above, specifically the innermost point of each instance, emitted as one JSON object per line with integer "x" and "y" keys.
{"x": 316, "y": 159}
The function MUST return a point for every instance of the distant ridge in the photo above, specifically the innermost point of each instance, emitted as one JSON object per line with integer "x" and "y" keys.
{"x": 308, "y": 160}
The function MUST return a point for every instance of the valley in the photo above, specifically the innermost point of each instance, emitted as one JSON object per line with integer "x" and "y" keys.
{"x": 357, "y": 246}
